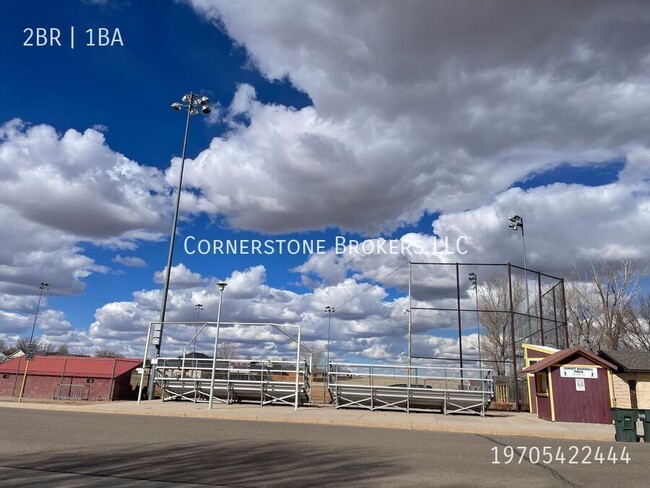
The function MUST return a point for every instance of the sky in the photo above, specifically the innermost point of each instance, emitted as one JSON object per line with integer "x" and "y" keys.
{"x": 413, "y": 129}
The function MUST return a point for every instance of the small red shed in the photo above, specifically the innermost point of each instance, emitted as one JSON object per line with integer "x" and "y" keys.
{"x": 572, "y": 385}
{"x": 69, "y": 378}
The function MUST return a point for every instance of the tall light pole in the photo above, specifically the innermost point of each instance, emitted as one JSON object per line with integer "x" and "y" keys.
{"x": 329, "y": 311}
{"x": 193, "y": 103}
{"x": 30, "y": 347}
{"x": 517, "y": 223}
{"x": 222, "y": 285}
{"x": 473, "y": 284}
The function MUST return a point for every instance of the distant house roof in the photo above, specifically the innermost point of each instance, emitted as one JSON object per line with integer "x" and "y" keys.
{"x": 565, "y": 354}
{"x": 195, "y": 355}
{"x": 72, "y": 366}
{"x": 15, "y": 354}
{"x": 628, "y": 361}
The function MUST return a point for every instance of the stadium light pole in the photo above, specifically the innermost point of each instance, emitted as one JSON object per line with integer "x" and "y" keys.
{"x": 30, "y": 348}
{"x": 222, "y": 285}
{"x": 517, "y": 223}
{"x": 329, "y": 310}
{"x": 193, "y": 103}
{"x": 473, "y": 284}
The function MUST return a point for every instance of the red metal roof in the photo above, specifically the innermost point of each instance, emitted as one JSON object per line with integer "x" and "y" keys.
{"x": 565, "y": 354}
{"x": 72, "y": 366}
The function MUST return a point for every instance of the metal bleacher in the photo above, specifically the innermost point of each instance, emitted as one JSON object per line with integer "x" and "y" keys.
{"x": 235, "y": 381}
{"x": 396, "y": 387}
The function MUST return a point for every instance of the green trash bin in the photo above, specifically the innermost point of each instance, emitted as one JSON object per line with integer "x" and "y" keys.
{"x": 644, "y": 415}
{"x": 625, "y": 422}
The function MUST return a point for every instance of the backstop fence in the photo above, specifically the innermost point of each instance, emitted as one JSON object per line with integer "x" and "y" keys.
{"x": 491, "y": 310}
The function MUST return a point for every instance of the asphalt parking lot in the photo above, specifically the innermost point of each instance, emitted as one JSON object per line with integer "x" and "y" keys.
{"x": 80, "y": 449}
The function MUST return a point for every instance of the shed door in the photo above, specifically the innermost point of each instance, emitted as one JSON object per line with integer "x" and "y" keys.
{"x": 589, "y": 406}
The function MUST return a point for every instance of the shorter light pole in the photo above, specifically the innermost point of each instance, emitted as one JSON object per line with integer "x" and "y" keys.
{"x": 329, "y": 310}
{"x": 517, "y": 223}
{"x": 473, "y": 284}
{"x": 30, "y": 347}
{"x": 198, "y": 307}
{"x": 222, "y": 285}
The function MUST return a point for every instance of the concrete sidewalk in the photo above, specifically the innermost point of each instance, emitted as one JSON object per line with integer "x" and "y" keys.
{"x": 494, "y": 423}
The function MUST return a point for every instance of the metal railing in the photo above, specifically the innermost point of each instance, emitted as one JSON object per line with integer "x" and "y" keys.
{"x": 68, "y": 391}
{"x": 397, "y": 387}
{"x": 235, "y": 381}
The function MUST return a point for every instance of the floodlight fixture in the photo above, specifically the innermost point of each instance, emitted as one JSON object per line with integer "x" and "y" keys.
{"x": 516, "y": 223}
{"x": 472, "y": 281}
{"x": 193, "y": 103}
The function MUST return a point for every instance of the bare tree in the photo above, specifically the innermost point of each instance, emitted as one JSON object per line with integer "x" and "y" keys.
{"x": 494, "y": 306}
{"x": 3, "y": 346}
{"x": 318, "y": 359}
{"x": 582, "y": 310}
{"x": 46, "y": 349}
{"x": 601, "y": 306}
{"x": 63, "y": 350}
{"x": 105, "y": 352}
{"x": 227, "y": 350}
{"x": 22, "y": 343}
{"x": 43, "y": 348}
{"x": 638, "y": 336}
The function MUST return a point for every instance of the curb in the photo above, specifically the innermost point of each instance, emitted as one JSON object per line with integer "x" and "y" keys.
{"x": 367, "y": 422}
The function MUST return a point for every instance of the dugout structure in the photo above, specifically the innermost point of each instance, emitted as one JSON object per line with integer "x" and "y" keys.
{"x": 491, "y": 315}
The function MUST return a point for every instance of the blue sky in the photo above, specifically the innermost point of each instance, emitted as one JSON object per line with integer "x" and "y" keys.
{"x": 342, "y": 124}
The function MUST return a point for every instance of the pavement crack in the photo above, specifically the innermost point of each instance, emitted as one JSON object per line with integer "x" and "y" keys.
{"x": 554, "y": 473}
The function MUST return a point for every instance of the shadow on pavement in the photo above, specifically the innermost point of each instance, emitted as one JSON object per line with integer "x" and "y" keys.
{"x": 281, "y": 463}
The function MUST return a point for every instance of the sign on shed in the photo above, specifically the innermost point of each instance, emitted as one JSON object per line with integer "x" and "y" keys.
{"x": 587, "y": 372}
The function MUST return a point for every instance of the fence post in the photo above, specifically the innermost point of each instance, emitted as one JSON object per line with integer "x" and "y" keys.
{"x": 460, "y": 327}
{"x": 297, "y": 369}
{"x": 541, "y": 307}
{"x": 564, "y": 322}
{"x": 514, "y": 347}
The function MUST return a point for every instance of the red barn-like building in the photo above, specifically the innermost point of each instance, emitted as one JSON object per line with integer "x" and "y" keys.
{"x": 572, "y": 385}
{"x": 69, "y": 378}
